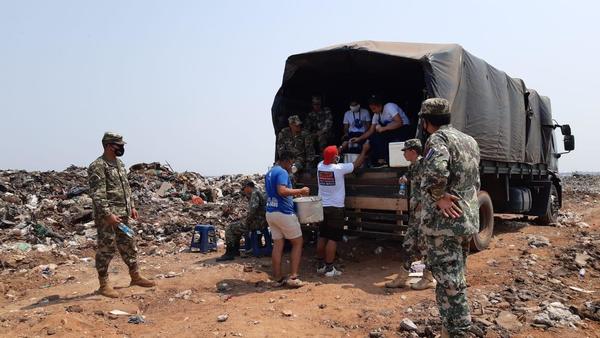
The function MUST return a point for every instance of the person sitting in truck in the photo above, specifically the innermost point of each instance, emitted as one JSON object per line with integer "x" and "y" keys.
{"x": 319, "y": 123}
{"x": 297, "y": 141}
{"x": 389, "y": 124}
{"x": 357, "y": 121}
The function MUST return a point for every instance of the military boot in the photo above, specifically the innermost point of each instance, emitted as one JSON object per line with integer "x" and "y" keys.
{"x": 139, "y": 280}
{"x": 400, "y": 281}
{"x": 106, "y": 289}
{"x": 230, "y": 253}
{"x": 426, "y": 282}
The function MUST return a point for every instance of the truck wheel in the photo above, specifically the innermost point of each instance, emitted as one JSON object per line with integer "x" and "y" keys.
{"x": 482, "y": 239}
{"x": 551, "y": 215}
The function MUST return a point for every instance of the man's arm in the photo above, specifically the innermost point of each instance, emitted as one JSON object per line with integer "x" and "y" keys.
{"x": 435, "y": 168}
{"x": 97, "y": 183}
{"x": 253, "y": 207}
{"x": 346, "y": 129}
{"x": 365, "y": 135}
{"x": 395, "y": 124}
{"x": 284, "y": 191}
{"x": 361, "y": 157}
{"x": 435, "y": 177}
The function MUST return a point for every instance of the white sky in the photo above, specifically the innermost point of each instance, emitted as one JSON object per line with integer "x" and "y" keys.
{"x": 192, "y": 82}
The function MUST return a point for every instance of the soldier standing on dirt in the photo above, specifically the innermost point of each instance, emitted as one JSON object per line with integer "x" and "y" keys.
{"x": 113, "y": 205}
{"x": 450, "y": 213}
{"x": 255, "y": 220}
{"x": 414, "y": 242}
{"x": 296, "y": 141}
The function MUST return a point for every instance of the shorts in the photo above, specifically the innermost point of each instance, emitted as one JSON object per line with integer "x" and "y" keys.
{"x": 283, "y": 225}
{"x": 332, "y": 227}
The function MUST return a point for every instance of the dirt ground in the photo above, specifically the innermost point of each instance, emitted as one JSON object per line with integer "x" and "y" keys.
{"x": 352, "y": 305}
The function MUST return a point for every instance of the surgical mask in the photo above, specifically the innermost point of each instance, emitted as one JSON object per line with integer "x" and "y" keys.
{"x": 355, "y": 109}
{"x": 119, "y": 150}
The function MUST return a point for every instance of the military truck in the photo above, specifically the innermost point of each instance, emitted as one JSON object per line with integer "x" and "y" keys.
{"x": 512, "y": 124}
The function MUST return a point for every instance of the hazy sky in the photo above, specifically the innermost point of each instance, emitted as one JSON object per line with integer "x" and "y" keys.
{"x": 192, "y": 82}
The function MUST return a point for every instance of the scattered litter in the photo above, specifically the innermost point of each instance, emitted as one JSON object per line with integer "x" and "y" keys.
{"x": 578, "y": 289}
{"x": 222, "y": 318}
{"x": 119, "y": 313}
{"x": 136, "y": 319}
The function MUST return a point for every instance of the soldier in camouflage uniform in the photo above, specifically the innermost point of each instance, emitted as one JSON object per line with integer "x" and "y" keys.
{"x": 414, "y": 241}
{"x": 113, "y": 204}
{"x": 318, "y": 123}
{"x": 296, "y": 141}
{"x": 450, "y": 213}
{"x": 255, "y": 220}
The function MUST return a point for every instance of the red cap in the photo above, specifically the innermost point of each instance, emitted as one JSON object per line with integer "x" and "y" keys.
{"x": 329, "y": 154}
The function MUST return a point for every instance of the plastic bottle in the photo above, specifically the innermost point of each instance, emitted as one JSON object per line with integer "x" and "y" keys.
{"x": 402, "y": 190}
{"x": 126, "y": 230}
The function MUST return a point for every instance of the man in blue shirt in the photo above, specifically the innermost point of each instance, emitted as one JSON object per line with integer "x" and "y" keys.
{"x": 282, "y": 219}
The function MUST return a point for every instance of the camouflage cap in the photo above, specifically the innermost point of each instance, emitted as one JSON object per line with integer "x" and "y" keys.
{"x": 435, "y": 106}
{"x": 413, "y": 143}
{"x": 295, "y": 119}
{"x": 248, "y": 183}
{"x": 114, "y": 138}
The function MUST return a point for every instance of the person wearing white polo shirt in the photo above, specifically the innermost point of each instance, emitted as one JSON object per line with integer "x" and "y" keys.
{"x": 389, "y": 124}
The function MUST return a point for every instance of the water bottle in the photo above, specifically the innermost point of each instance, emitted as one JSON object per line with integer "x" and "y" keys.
{"x": 126, "y": 230}
{"x": 402, "y": 190}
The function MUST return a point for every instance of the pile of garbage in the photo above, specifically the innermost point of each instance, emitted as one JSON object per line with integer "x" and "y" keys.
{"x": 45, "y": 210}
{"x": 581, "y": 185}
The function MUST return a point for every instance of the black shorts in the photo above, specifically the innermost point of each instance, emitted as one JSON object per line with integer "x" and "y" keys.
{"x": 332, "y": 227}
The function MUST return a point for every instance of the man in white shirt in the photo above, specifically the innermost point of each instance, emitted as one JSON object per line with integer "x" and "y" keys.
{"x": 389, "y": 124}
{"x": 332, "y": 189}
{"x": 356, "y": 121}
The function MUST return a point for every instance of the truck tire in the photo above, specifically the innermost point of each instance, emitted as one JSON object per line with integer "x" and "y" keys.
{"x": 551, "y": 215}
{"x": 482, "y": 239}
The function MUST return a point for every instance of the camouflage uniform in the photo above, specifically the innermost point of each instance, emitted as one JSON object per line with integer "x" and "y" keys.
{"x": 111, "y": 194}
{"x": 319, "y": 124}
{"x": 414, "y": 242}
{"x": 255, "y": 219}
{"x": 300, "y": 145}
{"x": 450, "y": 165}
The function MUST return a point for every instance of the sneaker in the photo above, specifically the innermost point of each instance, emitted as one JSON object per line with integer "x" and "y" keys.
{"x": 333, "y": 272}
{"x": 322, "y": 268}
{"x": 294, "y": 282}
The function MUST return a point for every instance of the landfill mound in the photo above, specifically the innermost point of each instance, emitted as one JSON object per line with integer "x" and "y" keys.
{"x": 52, "y": 210}
{"x": 582, "y": 185}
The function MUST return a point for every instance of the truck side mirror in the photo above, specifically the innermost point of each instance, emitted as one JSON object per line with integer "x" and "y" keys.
{"x": 569, "y": 142}
{"x": 565, "y": 129}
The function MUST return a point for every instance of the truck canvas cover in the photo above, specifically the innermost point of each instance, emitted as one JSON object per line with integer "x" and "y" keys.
{"x": 486, "y": 103}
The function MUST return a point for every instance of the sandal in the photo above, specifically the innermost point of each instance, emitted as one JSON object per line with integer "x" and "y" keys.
{"x": 294, "y": 282}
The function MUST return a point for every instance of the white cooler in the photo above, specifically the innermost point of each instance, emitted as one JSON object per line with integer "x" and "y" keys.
{"x": 397, "y": 155}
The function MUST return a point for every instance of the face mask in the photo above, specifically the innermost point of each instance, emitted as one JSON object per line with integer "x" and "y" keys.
{"x": 355, "y": 109}
{"x": 119, "y": 150}
{"x": 294, "y": 169}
